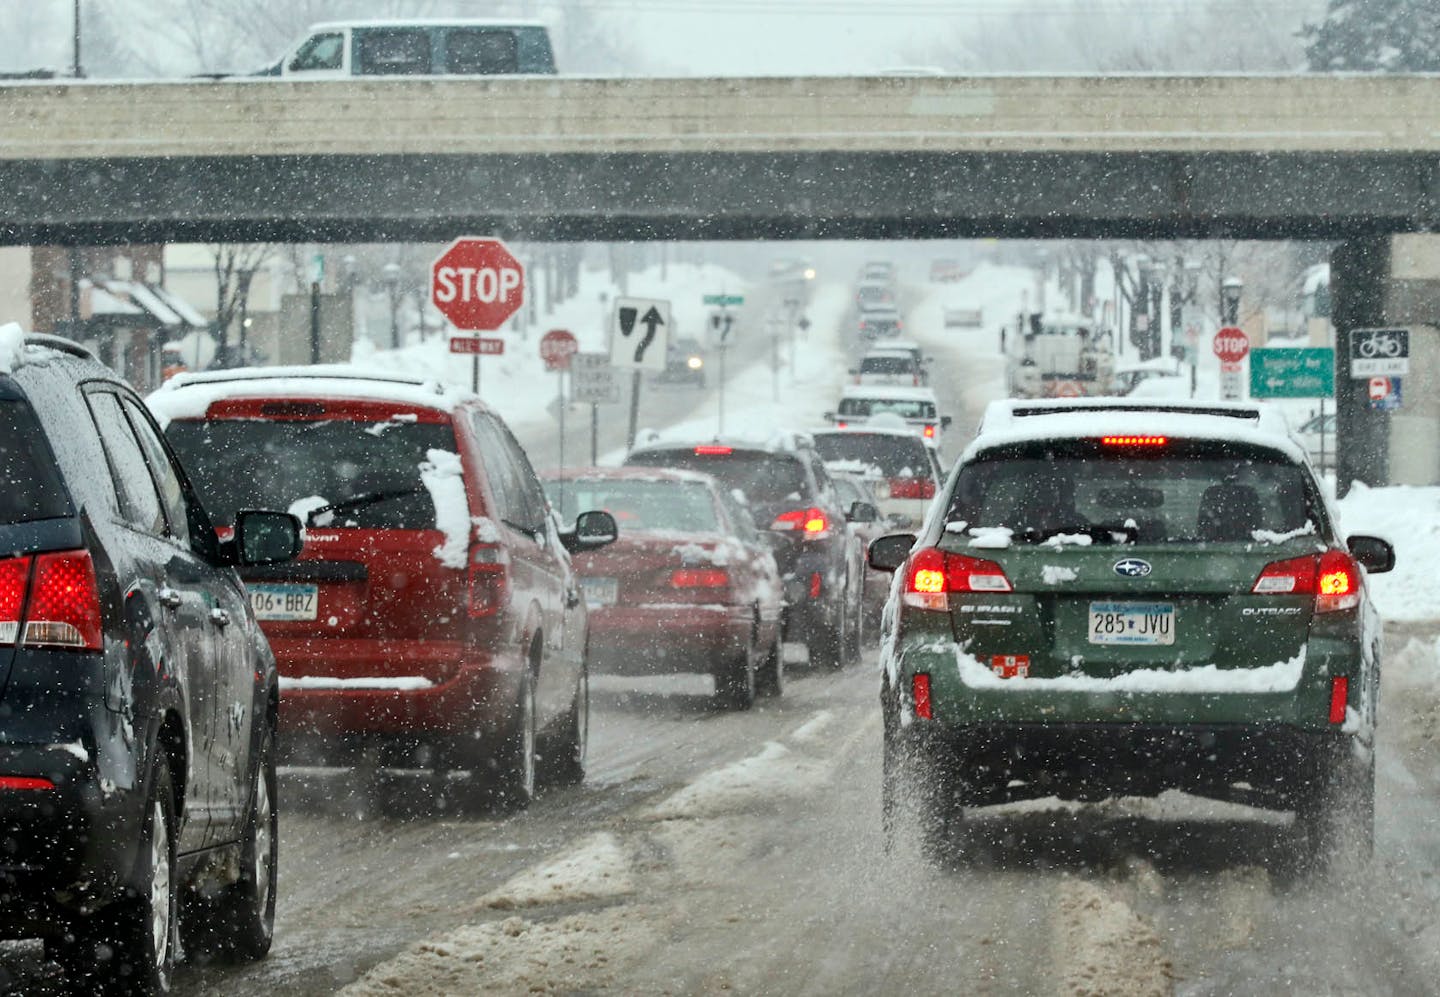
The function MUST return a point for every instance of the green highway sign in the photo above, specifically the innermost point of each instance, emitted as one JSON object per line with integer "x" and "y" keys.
{"x": 1289, "y": 372}
{"x": 724, "y": 299}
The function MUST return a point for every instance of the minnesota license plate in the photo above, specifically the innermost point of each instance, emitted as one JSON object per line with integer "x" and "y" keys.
{"x": 599, "y": 591}
{"x": 283, "y": 602}
{"x": 1150, "y": 623}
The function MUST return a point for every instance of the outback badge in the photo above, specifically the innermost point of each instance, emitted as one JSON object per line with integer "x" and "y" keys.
{"x": 1132, "y": 567}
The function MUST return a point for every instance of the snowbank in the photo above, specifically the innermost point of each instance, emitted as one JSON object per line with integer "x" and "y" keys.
{"x": 12, "y": 347}
{"x": 1409, "y": 517}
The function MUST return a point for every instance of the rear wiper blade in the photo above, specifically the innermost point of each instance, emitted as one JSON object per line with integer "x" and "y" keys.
{"x": 1105, "y": 533}
{"x": 356, "y": 502}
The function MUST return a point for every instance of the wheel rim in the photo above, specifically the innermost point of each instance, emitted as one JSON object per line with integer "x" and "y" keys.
{"x": 264, "y": 841}
{"x": 159, "y": 884}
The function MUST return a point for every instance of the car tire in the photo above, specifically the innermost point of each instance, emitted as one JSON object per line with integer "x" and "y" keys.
{"x": 239, "y": 924}
{"x": 503, "y": 780}
{"x": 855, "y": 634}
{"x": 565, "y": 756}
{"x": 735, "y": 681}
{"x": 920, "y": 795}
{"x": 827, "y": 643}
{"x": 1336, "y": 817}
{"x": 129, "y": 946}
{"x": 770, "y": 678}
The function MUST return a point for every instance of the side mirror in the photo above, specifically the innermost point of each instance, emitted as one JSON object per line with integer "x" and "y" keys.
{"x": 829, "y": 417}
{"x": 862, "y": 512}
{"x": 263, "y": 537}
{"x": 945, "y": 421}
{"x": 1376, "y": 555}
{"x": 888, "y": 553}
{"x": 593, "y": 530}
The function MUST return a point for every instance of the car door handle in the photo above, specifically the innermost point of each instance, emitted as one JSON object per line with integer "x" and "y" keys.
{"x": 572, "y": 598}
{"x": 170, "y": 598}
{"x": 219, "y": 617}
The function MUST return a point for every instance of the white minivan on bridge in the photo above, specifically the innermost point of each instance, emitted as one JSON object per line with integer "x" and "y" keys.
{"x": 462, "y": 47}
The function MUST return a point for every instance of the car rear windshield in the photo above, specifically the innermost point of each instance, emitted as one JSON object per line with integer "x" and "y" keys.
{"x": 764, "y": 478}
{"x": 1181, "y": 492}
{"x": 887, "y": 365}
{"x": 896, "y": 456}
{"x": 678, "y": 506}
{"x": 271, "y": 464}
{"x": 905, "y": 408}
{"x": 32, "y": 487}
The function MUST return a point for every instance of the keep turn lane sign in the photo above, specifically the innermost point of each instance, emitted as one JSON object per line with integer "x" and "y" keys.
{"x": 639, "y": 333}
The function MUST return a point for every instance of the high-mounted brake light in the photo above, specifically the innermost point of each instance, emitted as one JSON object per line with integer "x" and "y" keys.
{"x": 811, "y": 524}
{"x": 1339, "y": 698}
{"x": 24, "y": 782}
{"x": 489, "y": 579}
{"x": 933, "y": 574}
{"x": 1134, "y": 441}
{"x": 1333, "y": 578}
{"x": 699, "y": 578}
{"x": 920, "y": 692}
{"x": 713, "y": 450}
{"x": 14, "y": 573}
{"x": 912, "y": 488}
{"x": 64, "y": 609}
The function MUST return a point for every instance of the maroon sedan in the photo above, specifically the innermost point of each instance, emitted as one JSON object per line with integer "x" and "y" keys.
{"x": 690, "y": 585}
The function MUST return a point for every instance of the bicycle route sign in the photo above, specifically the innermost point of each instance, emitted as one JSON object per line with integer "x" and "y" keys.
{"x": 1379, "y": 352}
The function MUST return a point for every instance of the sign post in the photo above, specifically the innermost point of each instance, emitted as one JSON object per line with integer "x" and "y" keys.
{"x": 639, "y": 340}
{"x": 1231, "y": 345}
{"x": 556, "y": 348}
{"x": 593, "y": 381}
{"x": 477, "y": 283}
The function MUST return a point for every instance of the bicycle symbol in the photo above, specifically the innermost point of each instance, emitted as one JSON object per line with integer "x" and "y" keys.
{"x": 1379, "y": 344}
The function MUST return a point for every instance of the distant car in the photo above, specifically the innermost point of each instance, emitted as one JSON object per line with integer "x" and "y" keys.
{"x": 433, "y": 617}
{"x": 878, "y": 322}
{"x": 137, "y": 693}
{"x": 857, "y": 487}
{"x": 790, "y": 493}
{"x": 905, "y": 464}
{"x": 1132, "y": 376}
{"x": 882, "y": 366}
{"x": 685, "y": 361}
{"x": 915, "y": 407}
{"x": 1121, "y": 599}
{"x": 874, "y": 294}
{"x": 1317, "y": 435}
{"x": 460, "y": 47}
{"x": 881, "y": 271}
{"x": 691, "y": 585}
{"x": 946, "y": 271}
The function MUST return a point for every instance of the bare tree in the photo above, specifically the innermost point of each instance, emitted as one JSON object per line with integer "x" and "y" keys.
{"x": 235, "y": 267}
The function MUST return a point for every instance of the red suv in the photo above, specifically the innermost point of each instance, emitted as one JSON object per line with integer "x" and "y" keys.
{"x": 433, "y": 616}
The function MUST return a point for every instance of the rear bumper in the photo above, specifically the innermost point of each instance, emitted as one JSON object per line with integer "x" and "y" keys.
{"x": 394, "y": 688}
{"x": 665, "y": 640}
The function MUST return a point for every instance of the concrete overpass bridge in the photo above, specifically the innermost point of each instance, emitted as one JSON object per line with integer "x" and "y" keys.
{"x": 1351, "y": 159}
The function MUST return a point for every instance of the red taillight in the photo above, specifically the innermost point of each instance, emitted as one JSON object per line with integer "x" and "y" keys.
{"x": 1134, "y": 441}
{"x": 64, "y": 608}
{"x": 1333, "y": 578}
{"x": 811, "y": 524}
{"x": 489, "y": 580}
{"x": 816, "y": 583}
{"x": 14, "y": 573}
{"x": 933, "y": 574}
{"x": 24, "y": 782}
{"x": 841, "y": 425}
{"x": 912, "y": 488}
{"x": 713, "y": 450}
{"x": 700, "y": 578}
{"x": 920, "y": 692}
{"x": 1339, "y": 698}
{"x": 929, "y": 432}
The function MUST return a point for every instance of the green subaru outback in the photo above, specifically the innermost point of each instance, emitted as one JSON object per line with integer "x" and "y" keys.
{"x": 1118, "y": 598}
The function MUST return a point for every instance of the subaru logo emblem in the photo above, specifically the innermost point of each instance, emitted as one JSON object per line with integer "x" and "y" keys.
{"x": 1132, "y": 567}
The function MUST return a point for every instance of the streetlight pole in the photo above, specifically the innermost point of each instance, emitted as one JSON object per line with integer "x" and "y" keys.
{"x": 392, "y": 286}
{"x": 75, "y": 69}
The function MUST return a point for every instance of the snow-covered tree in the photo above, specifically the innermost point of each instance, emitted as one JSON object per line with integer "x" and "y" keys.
{"x": 1387, "y": 36}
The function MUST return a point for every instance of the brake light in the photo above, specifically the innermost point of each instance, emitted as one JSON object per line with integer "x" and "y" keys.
{"x": 1339, "y": 698}
{"x": 1134, "y": 441}
{"x": 933, "y": 574}
{"x": 842, "y": 425}
{"x": 489, "y": 579}
{"x": 713, "y": 450}
{"x": 699, "y": 578}
{"x": 24, "y": 782}
{"x": 920, "y": 692}
{"x": 912, "y": 488}
{"x": 64, "y": 608}
{"x": 811, "y": 524}
{"x": 1333, "y": 578}
{"x": 816, "y": 582}
{"x": 14, "y": 573}
{"x": 929, "y": 432}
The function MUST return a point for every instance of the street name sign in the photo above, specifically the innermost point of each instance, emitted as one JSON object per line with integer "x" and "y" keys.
{"x": 1288, "y": 372}
{"x": 1379, "y": 352}
{"x": 483, "y": 346}
{"x": 723, "y": 300}
{"x": 639, "y": 333}
{"x": 477, "y": 284}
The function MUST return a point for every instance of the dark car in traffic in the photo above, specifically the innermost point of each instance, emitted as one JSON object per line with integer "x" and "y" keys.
{"x": 433, "y": 618}
{"x": 138, "y": 695}
{"x": 786, "y": 486}
{"x": 691, "y": 585}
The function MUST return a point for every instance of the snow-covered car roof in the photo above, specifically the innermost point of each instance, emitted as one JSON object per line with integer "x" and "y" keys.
{"x": 882, "y": 391}
{"x": 1022, "y": 421}
{"x": 1164, "y": 365}
{"x": 783, "y": 440}
{"x": 428, "y": 22}
{"x": 189, "y": 396}
{"x": 888, "y": 352}
{"x": 629, "y": 474}
{"x": 865, "y": 429}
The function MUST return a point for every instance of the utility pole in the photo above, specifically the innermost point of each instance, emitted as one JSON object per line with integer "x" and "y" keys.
{"x": 75, "y": 68}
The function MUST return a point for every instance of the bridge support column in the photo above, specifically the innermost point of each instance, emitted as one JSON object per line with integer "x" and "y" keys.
{"x": 1388, "y": 281}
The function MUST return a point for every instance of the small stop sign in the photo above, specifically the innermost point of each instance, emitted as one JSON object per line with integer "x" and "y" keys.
{"x": 477, "y": 284}
{"x": 1231, "y": 344}
{"x": 556, "y": 348}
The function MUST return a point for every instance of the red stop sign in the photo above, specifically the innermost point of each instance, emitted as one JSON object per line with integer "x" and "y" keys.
{"x": 477, "y": 283}
{"x": 556, "y": 348}
{"x": 1231, "y": 344}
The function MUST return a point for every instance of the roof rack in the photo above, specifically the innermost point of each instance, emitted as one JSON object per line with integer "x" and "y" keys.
{"x": 1251, "y": 413}
{"x": 60, "y": 345}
